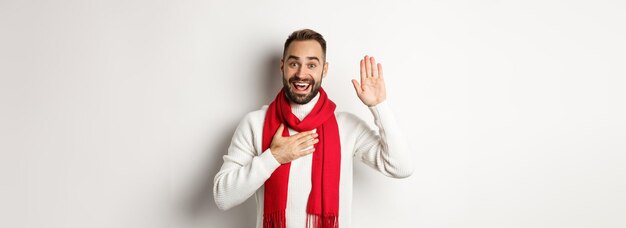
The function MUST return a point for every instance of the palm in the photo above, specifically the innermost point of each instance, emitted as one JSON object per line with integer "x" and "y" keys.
{"x": 371, "y": 90}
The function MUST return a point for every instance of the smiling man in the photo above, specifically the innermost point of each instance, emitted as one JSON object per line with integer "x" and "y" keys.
{"x": 306, "y": 71}
{"x": 296, "y": 155}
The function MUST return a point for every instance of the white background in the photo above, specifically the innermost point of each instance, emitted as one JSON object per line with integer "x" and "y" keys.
{"x": 117, "y": 113}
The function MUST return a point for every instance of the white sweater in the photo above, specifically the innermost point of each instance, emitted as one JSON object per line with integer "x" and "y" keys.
{"x": 246, "y": 167}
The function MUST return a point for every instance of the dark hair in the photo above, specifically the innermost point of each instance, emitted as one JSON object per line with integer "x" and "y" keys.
{"x": 305, "y": 34}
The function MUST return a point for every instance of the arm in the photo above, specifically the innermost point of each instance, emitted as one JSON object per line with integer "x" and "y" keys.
{"x": 243, "y": 172}
{"x": 386, "y": 150}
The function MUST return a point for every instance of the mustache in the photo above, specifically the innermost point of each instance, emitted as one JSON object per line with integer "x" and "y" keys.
{"x": 303, "y": 80}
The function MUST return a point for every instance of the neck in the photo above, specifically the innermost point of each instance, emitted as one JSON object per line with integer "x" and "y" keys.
{"x": 302, "y": 110}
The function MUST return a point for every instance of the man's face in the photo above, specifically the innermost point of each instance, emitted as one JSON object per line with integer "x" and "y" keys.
{"x": 303, "y": 68}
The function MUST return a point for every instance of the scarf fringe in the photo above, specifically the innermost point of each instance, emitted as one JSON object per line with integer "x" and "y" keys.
{"x": 274, "y": 220}
{"x": 318, "y": 221}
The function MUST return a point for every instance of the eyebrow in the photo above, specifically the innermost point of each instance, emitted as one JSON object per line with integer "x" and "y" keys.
{"x": 298, "y": 58}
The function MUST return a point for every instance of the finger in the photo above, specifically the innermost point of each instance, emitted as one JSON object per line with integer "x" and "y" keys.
{"x": 303, "y": 134}
{"x": 357, "y": 86}
{"x": 306, "y": 138}
{"x": 301, "y": 137}
{"x": 279, "y": 132}
{"x": 307, "y": 151}
{"x": 380, "y": 70}
{"x": 363, "y": 72}
{"x": 368, "y": 66}
{"x": 310, "y": 143}
{"x": 374, "y": 68}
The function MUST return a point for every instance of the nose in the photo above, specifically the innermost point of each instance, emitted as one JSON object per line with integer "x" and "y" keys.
{"x": 300, "y": 71}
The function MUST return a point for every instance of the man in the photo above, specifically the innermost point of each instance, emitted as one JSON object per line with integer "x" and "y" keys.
{"x": 295, "y": 155}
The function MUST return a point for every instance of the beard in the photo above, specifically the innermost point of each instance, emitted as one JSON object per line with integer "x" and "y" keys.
{"x": 301, "y": 98}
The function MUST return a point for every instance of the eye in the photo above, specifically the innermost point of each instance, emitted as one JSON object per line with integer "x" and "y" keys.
{"x": 293, "y": 64}
{"x": 312, "y": 66}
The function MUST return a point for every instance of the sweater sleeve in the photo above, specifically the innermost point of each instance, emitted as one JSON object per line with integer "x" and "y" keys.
{"x": 385, "y": 150}
{"x": 243, "y": 171}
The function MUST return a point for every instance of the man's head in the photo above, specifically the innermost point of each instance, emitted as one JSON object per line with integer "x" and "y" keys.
{"x": 303, "y": 65}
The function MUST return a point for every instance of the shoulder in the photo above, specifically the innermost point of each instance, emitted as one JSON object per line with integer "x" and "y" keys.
{"x": 255, "y": 117}
{"x": 349, "y": 120}
{"x": 252, "y": 121}
{"x": 346, "y": 116}
{"x": 250, "y": 128}
{"x": 256, "y": 114}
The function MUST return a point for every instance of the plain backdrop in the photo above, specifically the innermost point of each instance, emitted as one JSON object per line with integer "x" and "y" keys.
{"x": 117, "y": 113}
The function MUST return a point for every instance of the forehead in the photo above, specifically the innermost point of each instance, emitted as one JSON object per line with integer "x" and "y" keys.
{"x": 305, "y": 48}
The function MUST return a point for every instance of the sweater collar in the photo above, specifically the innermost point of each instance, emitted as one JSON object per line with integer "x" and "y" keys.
{"x": 302, "y": 110}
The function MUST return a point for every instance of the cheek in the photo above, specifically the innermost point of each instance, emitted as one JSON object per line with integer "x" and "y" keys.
{"x": 288, "y": 72}
{"x": 319, "y": 75}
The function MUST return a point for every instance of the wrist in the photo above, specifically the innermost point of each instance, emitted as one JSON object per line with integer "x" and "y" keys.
{"x": 275, "y": 153}
{"x": 373, "y": 104}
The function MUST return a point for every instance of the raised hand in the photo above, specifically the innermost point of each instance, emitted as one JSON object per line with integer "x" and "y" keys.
{"x": 286, "y": 149}
{"x": 371, "y": 90}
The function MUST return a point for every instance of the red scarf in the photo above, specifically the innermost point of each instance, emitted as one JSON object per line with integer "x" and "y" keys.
{"x": 323, "y": 205}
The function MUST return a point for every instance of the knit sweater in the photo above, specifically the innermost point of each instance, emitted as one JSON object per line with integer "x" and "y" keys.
{"x": 246, "y": 167}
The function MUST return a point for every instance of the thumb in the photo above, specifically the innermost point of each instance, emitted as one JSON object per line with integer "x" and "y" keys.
{"x": 279, "y": 132}
{"x": 357, "y": 86}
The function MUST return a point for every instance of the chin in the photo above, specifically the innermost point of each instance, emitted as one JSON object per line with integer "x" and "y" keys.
{"x": 300, "y": 98}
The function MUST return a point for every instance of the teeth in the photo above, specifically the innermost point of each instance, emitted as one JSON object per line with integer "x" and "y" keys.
{"x": 302, "y": 84}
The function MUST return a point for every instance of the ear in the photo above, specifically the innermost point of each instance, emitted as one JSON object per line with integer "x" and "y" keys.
{"x": 325, "y": 69}
{"x": 282, "y": 63}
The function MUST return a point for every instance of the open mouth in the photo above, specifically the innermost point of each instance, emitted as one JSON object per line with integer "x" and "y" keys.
{"x": 301, "y": 87}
